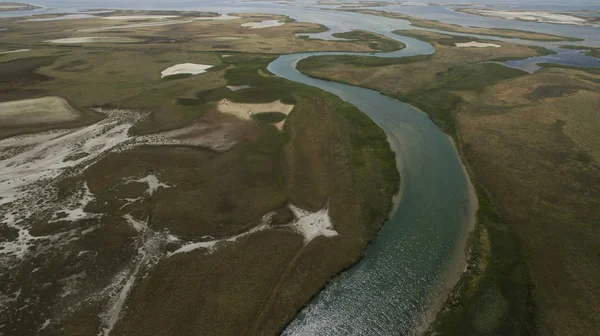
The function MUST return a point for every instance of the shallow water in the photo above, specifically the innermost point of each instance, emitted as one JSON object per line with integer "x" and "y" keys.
{"x": 564, "y": 56}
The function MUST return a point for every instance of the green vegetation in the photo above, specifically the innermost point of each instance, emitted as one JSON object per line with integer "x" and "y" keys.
{"x": 591, "y": 51}
{"x": 319, "y": 29}
{"x": 269, "y": 117}
{"x": 493, "y": 295}
{"x": 440, "y": 102}
{"x": 553, "y": 91}
{"x": 177, "y": 76}
{"x": 315, "y": 62}
{"x": 570, "y": 67}
{"x": 220, "y": 175}
{"x": 375, "y": 41}
{"x": 543, "y": 51}
{"x": 451, "y": 41}
{"x": 353, "y": 170}
{"x": 437, "y": 98}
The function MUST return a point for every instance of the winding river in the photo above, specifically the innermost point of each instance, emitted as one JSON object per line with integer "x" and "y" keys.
{"x": 420, "y": 248}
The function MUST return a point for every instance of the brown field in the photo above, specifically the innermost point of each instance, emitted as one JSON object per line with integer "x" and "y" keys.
{"x": 530, "y": 142}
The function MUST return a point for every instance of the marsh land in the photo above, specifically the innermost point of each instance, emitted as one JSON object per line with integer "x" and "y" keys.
{"x": 145, "y": 162}
{"x": 157, "y": 178}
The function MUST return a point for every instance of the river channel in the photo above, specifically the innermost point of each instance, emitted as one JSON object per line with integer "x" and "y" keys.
{"x": 419, "y": 250}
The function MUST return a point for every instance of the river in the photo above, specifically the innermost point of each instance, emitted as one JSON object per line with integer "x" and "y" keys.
{"x": 420, "y": 248}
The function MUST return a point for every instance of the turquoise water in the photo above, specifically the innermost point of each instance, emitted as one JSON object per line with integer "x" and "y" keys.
{"x": 389, "y": 290}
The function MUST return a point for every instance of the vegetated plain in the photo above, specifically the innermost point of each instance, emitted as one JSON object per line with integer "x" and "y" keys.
{"x": 530, "y": 143}
{"x": 103, "y": 230}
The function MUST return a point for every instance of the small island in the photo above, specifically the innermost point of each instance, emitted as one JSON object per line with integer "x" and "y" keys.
{"x": 16, "y": 6}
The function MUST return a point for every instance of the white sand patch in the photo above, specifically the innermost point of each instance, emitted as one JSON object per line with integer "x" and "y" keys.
{"x": 237, "y": 88}
{"x": 138, "y": 225}
{"x": 149, "y": 253}
{"x": 31, "y": 139}
{"x": 14, "y": 51}
{"x": 309, "y": 224}
{"x": 208, "y": 245}
{"x": 140, "y": 17}
{"x": 27, "y": 178}
{"x": 412, "y": 3}
{"x": 263, "y": 24}
{"x": 212, "y": 245}
{"x": 246, "y": 110}
{"x": 35, "y": 111}
{"x": 313, "y": 224}
{"x": 185, "y": 68}
{"x": 222, "y": 38}
{"x": 477, "y": 45}
{"x": 16, "y": 248}
{"x": 221, "y": 17}
{"x": 94, "y": 39}
{"x": 44, "y": 325}
{"x": 129, "y": 201}
{"x": 75, "y": 211}
{"x": 226, "y": 55}
{"x": 153, "y": 183}
{"x": 135, "y": 25}
{"x": 535, "y": 16}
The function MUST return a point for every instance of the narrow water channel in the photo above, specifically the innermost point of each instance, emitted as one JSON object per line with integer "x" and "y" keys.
{"x": 422, "y": 244}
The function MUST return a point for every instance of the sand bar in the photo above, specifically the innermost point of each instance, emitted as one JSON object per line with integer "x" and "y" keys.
{"x": 263, "y": 24}
{"x": 185, "y": 68}
{"x": 140, "y": 17}
{"x": 14, "y": 51}
{"x": 94, "y": 39}
{"x": 477, "y": 45}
